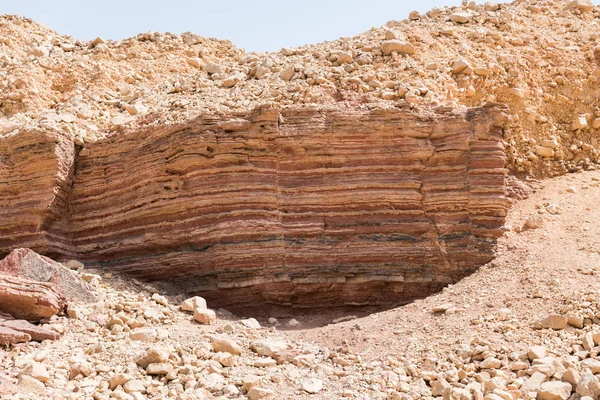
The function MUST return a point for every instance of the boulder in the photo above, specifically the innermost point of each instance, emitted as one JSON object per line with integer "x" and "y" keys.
{"x": 28, "y": 299}
{"x": 28, "y": 264}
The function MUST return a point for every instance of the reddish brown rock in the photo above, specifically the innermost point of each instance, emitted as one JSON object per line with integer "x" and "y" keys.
{"x": 27, "y": 299}
{"x": 37, "y": 333}
{"x": 297, "y": 207}
{"x": 36, "y": 170}
{"x": 28, "y": 264}
{"x": 10, "y": 336}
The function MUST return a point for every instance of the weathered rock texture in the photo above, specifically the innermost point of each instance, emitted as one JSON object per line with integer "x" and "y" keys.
{"x": 25, "y": 263}
{"x": 28, "y": 299}
{"x": 300, "y": 206}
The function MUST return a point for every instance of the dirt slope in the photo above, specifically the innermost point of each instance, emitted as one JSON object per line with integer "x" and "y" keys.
{"x": 540, "y": 57}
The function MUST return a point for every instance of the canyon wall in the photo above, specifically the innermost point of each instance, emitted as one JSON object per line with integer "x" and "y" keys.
{"x": 301, "y": 207}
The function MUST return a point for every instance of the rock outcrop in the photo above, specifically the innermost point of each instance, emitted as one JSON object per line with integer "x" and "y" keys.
{"x": 297, "y": 207}
{"x": 28, "y": 299}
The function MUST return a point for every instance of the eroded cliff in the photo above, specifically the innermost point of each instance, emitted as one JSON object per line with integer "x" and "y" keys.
{"x": 302, "y": 207}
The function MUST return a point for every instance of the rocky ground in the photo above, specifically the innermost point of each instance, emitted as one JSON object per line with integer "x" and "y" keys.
{"x": 524, "y": 326}
{"x": 538, "y": 56}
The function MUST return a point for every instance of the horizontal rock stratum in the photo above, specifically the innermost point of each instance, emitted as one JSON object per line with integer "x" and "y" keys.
{"x": 301, "y": 206}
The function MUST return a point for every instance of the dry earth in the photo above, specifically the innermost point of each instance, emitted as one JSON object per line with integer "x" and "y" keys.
{"x": 525, "y": 326}
{"x": 469, "y": 341}
{"x": 539, "y": 57}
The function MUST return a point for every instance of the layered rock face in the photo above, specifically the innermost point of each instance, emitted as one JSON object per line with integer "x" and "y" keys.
{"x": 36, "y": 172}
{"x": 300, "y": 207}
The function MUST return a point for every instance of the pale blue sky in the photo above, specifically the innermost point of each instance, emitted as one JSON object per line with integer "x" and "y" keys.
{"x": 255, "y": 25}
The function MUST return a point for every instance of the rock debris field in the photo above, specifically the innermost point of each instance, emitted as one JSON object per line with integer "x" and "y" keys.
{"x": 524, "y": 326}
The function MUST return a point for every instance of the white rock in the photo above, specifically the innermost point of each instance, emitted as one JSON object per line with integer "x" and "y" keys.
{"x": 205, "y": 316}
{"x": 442, "y": 308}
{"x": 534, "y": 382}
{"x": 400, "y": 46}
{"x": 589, "y": 385}
{"x": 554, "y": 391}
{"x": 491, "y": 363}
{"x": 591, "y": 364}
{"x": 28, "y": 384}
{"x": 134, "y": 385}
{"x": 162, "y": 300}
{"x": 293, "y": 323}
{"x": 213, "y": 68}
{"x": 36, "y": 370}
{"x": 193, "y": 303}
{"x": 224, "y": 344}
{"x": 250, "y": 323}
{"x": 159, "y": 368}
{"x": 144, "y": 334}
{"x": 120, "y": 119}
{"x": 460, "y": 17}
{"x": 536, "y": 352}
{"x": 269, "y": 347}
{"x": 579, "y": 123}
{"x": 312, "y": 385}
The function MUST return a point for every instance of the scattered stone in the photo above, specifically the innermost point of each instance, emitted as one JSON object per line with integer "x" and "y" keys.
{"x": 536, "y": 352}
{"x": 589, "y": 385}
{"x": 194, "y": 303}
{"x": 250, "y": 323}
{"x": 225, "y": 345}
{"x": 592, "y": 364}
{"x": 134, "y": 385}
{"x": 213, "y": 68}
{"x": 159, "y": 369}
{"x": 153, "y": 355}
{"x": 144, "y": 334}
{"x": 28, "y": 384}
{"x": 257, "y": 393}
{"x": 399, "y": 46}
{"x": 118, "y": 380}
{"x": 205, "y": 316}
{"x": 269, "y": 347}
{"x": 442, "y": 308}
{"x": 37, "y": 371}
{"x": 534, "y": 382}
{"x": 554, "y": 391}
{"x": 460, "y": 17}
{"x": 312, "y": 385}
{"x": 556, "y": 322}
{"x": 10, "y": 336}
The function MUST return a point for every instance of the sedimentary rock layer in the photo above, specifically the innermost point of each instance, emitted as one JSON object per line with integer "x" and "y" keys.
{"x": 298, "y": 207}
{"x": 36, "y": 170}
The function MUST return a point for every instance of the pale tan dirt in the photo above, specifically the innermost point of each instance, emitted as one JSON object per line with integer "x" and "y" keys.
{"x": 539, "y": 57}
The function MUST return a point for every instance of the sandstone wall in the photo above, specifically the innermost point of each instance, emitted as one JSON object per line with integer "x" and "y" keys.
{"x": 36, "y": 171}
{"x": 298, "y": 207}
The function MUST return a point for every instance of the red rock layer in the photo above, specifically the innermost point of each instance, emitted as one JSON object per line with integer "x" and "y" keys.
{"x": 298, "y": 207}
{"x": 36, "y": 170}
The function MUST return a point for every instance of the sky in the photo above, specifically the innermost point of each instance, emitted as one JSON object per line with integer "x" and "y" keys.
{"x": 255, "y": 25}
